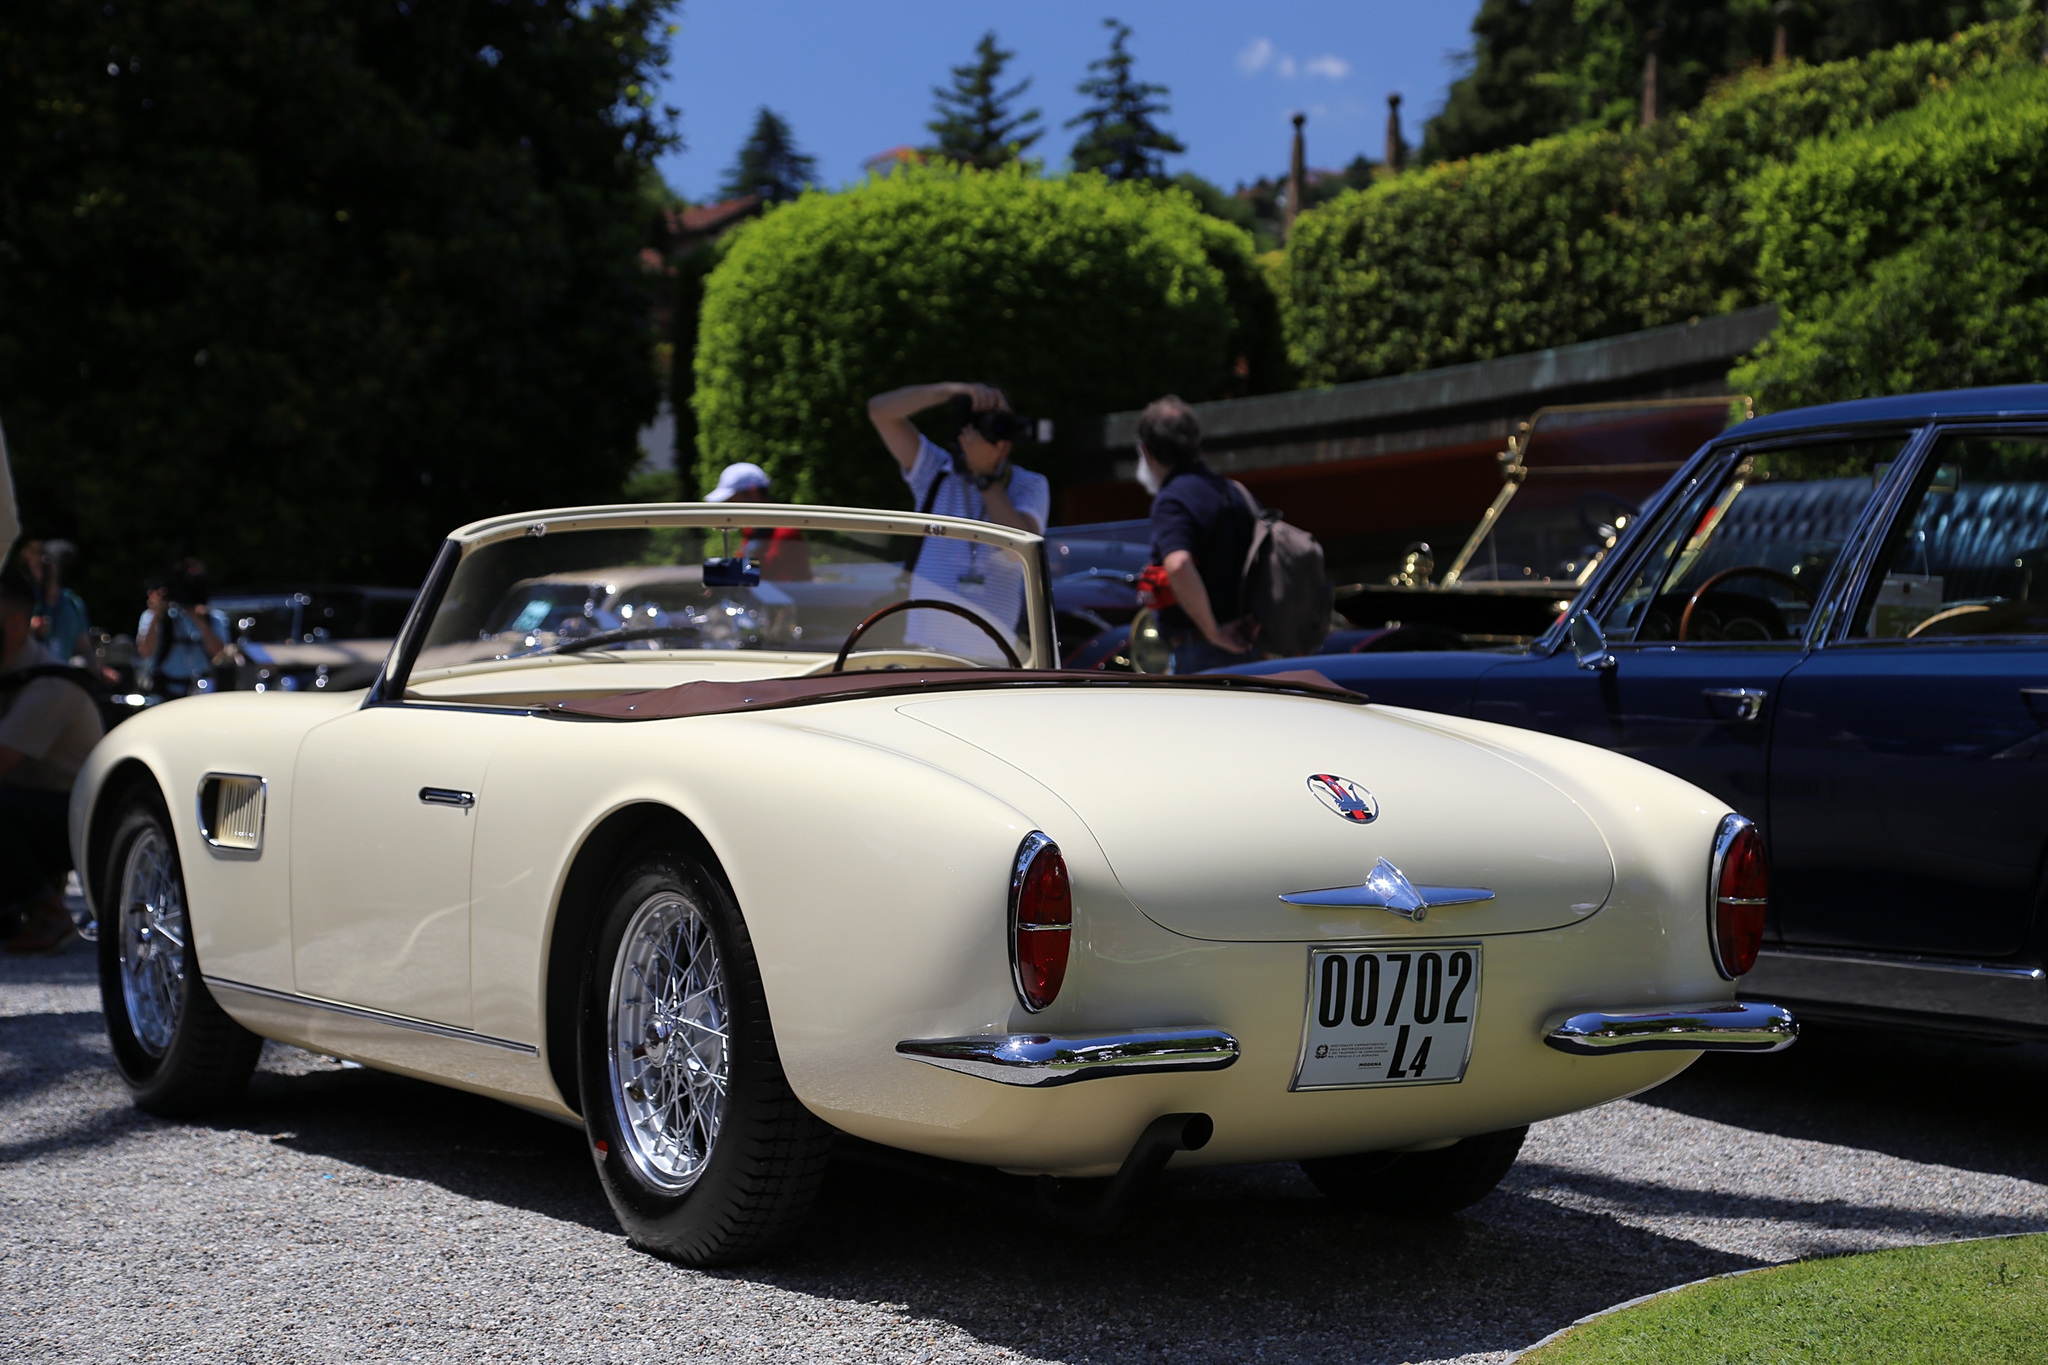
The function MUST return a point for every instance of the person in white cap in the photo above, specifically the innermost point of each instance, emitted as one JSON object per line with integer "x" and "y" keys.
{"x": 741, "y": 482}
{"x": 781, "y": 553}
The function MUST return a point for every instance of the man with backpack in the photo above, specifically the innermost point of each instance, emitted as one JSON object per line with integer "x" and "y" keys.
{"x": 1245, "y": 582}
{"x": 1201, "y": 532}
{"x": 48, "y": 725}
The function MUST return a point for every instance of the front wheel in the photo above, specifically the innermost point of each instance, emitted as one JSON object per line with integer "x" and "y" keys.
{"x": 705, "y": 1153}
{"x": 176, "y": 1047}
{"x": 1419, "y": 1184}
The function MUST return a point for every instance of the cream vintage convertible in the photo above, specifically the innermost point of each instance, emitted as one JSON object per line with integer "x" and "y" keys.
{"x": 716, "y": 831}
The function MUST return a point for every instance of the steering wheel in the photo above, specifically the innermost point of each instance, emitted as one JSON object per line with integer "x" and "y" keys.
{"x": 933, "y": 604}
{"x": 1741, "y": 570}
{"x": 1602, "y": 530}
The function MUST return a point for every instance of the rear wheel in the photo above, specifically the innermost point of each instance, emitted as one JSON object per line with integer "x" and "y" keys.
{"x": 705, "y": 1153}
{"x": 1419, "y": 1184}
{"x": 176, "y": 1047}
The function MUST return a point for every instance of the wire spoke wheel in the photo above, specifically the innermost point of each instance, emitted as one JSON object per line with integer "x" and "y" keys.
{"x": 152, "y": 941}
{"x": 669, "y": 1041}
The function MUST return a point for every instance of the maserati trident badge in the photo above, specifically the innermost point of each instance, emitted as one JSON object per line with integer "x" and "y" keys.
{"x": 1349, "y": 800}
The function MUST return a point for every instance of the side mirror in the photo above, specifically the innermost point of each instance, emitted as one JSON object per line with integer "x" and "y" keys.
{"x": 1589, "y": 644}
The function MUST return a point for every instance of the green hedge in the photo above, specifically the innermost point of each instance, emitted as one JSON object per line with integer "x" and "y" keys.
{"x": 1909, "y": 255}
{"x": 1955, "y": 310}
{"x": 1589, "y": 234}
{"x": 1076, "y": 295}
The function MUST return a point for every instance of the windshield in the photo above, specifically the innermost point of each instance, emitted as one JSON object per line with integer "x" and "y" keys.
{"x": 1579, "y": 478}
{"x": 706, "y": 588}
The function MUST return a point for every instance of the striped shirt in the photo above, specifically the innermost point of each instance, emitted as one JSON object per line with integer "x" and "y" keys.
{"x": 982, "y": 578}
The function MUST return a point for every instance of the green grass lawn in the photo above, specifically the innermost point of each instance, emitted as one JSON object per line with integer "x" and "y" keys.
{"x": 1975, "y": 1302}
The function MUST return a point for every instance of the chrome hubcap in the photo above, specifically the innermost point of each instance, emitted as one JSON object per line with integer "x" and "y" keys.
{"x": 152, "y": 941}
{"x": 668, "y": 1041}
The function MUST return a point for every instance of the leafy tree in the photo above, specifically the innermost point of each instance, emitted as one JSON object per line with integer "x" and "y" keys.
{"x": 1542, "y": 67}
{"x": 1077, "y": 295}
{"x": 769, "y": 163}
{"x": 975, "y": 125}
{"x": 1121, "y": 140}
{"x": 296, "y": 286}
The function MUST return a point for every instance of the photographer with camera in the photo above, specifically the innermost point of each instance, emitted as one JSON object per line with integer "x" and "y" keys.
{"x": 180, "y": 638}
{"x": 981, "y": 484}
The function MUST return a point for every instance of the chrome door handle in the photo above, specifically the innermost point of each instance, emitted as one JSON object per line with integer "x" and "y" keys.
{"x": 446, "y": 796}
{"x": 1748, "y": 701}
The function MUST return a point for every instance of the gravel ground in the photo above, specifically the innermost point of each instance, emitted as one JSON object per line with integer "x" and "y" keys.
{"x": 341, "y": 1214}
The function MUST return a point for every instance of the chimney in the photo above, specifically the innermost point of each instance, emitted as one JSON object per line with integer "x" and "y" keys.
{"x": 1650, "y": 42}
{"x": 1296, "y": 178}
{"x": 1781, "y": 45}
{"x": 1397, "y": 150}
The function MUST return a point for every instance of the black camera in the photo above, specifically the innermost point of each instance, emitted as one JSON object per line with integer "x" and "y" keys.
{"x": 996, "y": 424}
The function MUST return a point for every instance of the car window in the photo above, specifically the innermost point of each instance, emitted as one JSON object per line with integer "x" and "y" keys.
{"x": 1968, "y": 555}
{"x": 1743, "y": 556}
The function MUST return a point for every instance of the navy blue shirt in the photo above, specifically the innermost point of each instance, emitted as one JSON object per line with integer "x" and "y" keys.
{"x": 1201, "y": 512}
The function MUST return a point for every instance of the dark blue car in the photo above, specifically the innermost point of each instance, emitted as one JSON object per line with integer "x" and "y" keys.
{"x": 1835, "y": 620}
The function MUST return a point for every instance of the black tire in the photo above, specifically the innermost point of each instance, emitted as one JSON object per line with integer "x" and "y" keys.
{"x": 1419, "y": 1184}
{"x": 177, "y": 1049}
{"x": 714, "y": 1183}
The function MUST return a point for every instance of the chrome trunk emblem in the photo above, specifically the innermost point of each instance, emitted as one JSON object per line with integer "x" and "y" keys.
{"x": 1385, "y": 888}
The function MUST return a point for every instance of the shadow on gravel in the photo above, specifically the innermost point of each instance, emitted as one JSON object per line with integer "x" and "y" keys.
{"x": 467, "y": 1145}
{"x": 1226, "y": 1264}
{"x": 1975, "y": 1106}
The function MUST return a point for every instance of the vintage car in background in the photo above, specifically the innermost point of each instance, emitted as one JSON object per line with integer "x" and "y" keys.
{"x": 1836, "y": 621}
{"x": 718, "y": 894}
{"x": 1572, "y": 479}
{"x": 311, "y": 638}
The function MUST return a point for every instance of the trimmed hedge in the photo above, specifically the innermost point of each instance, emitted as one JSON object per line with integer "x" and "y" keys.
{"x": 1955, "y": 310}
{"x": 1590, "y": 234}
{"x": 1909, "y": 255}
{"x": 1076, "y": 295}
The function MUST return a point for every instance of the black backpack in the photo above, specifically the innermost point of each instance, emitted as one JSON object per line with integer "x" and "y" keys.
{"x": 1285, "y": 589}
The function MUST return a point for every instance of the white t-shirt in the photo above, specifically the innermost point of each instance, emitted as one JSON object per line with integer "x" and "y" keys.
{"x": 987, "y": 581}
{"x": 51, "y": 722}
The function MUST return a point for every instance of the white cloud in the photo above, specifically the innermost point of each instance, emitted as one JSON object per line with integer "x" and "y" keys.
{"x": 1261, "y": 55}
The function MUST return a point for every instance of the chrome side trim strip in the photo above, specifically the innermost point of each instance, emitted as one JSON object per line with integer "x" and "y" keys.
{"x": 1922, "y": 964}
{"x": 1037, "y": 1059}
{"x": 219, "y": 983}
{"x": 1721, "y": 1026}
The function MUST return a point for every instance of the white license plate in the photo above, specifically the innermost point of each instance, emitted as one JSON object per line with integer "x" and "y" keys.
{"x": 1388, "y": 1016}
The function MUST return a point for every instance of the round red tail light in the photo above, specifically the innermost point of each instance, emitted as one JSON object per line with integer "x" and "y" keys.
{"x": 1741, "y": 896}
{"x": 1041, "y": 921}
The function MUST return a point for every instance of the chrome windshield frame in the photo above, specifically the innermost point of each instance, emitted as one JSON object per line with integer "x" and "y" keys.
{"x": 1042, "y": 652}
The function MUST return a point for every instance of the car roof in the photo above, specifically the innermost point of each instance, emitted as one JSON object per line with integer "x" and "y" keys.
{"x": 2010, "y": 400}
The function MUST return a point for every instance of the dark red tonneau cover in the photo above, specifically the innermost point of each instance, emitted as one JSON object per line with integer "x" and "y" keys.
{"x": 707, "y": 698}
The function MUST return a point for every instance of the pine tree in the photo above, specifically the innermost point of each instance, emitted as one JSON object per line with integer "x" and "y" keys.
{"x": 1121, "y": 140}
{"x": 974, "y": 125}
{"x": 769, "y": 163}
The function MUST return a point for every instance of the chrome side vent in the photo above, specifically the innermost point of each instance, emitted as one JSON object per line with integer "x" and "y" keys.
{"x": 231, "y": 811}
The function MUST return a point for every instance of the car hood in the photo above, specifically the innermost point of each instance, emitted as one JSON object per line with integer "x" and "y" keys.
{"x": 1207, "y": 809}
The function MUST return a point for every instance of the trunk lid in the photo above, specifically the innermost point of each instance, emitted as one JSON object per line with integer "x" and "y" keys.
{"x": 1204, "y": 805}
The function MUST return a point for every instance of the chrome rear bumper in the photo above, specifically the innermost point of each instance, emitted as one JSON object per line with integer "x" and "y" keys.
{"x": 1721, "y": 1026}
{"x": 1041, "y": 1059}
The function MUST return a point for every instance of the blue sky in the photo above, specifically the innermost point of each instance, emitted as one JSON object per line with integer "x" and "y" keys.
{"x": 855, "y": 79}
